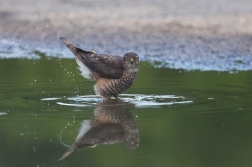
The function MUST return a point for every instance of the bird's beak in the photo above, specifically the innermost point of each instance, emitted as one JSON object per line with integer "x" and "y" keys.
{"x": 131, "y": 60}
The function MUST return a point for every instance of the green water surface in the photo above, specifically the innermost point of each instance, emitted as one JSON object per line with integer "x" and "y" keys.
{"x": 205, "y": 121}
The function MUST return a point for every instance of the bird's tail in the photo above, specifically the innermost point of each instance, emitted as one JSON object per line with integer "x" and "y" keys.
{"x": 69, "y": 45}
{"x": 69, "y": 151}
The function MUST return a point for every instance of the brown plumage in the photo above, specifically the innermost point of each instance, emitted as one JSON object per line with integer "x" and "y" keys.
{"x": 113, "y": 74}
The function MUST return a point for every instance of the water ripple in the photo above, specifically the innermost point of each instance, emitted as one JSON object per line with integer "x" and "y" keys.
{"x": 139, "y": 100}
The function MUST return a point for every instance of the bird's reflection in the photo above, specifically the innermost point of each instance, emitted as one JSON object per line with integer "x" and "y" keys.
{"x": 112, "y": 124}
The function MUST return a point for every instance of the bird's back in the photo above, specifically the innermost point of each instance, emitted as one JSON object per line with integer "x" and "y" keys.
{"x": 93, "y": 65}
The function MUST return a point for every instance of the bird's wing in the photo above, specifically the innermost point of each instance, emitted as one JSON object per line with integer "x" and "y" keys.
{"x": 107, "y": 66}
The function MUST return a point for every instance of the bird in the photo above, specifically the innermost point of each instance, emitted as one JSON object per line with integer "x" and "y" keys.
{"x": 113, "y": 74}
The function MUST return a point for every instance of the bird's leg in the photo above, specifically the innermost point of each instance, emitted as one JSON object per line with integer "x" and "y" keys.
{"x": 116, "y": 97}
{"x": 105, "y": 98}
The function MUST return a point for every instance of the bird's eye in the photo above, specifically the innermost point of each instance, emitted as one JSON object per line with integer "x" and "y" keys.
{"x": 134, "y": 58}
{"x": 127, "y": 58}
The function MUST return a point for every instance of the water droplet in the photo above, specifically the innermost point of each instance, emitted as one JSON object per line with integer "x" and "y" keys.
{"x": 3, "y": 113}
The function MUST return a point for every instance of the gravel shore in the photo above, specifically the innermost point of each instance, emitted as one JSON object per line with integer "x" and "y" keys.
{"x": 191, "y": 35}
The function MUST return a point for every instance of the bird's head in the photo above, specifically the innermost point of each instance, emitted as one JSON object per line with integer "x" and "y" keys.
{"x": 131, "y": 60}
{"x": 132, "y": 140}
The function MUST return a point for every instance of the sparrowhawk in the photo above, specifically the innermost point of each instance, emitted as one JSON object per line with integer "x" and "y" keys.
{"x": 113, "y": 74}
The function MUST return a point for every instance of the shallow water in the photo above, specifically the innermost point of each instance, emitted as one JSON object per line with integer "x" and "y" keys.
{"x": 184, "y": 118}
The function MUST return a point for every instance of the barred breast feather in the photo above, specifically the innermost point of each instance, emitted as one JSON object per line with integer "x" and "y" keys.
{"x": 112, "y": 87}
